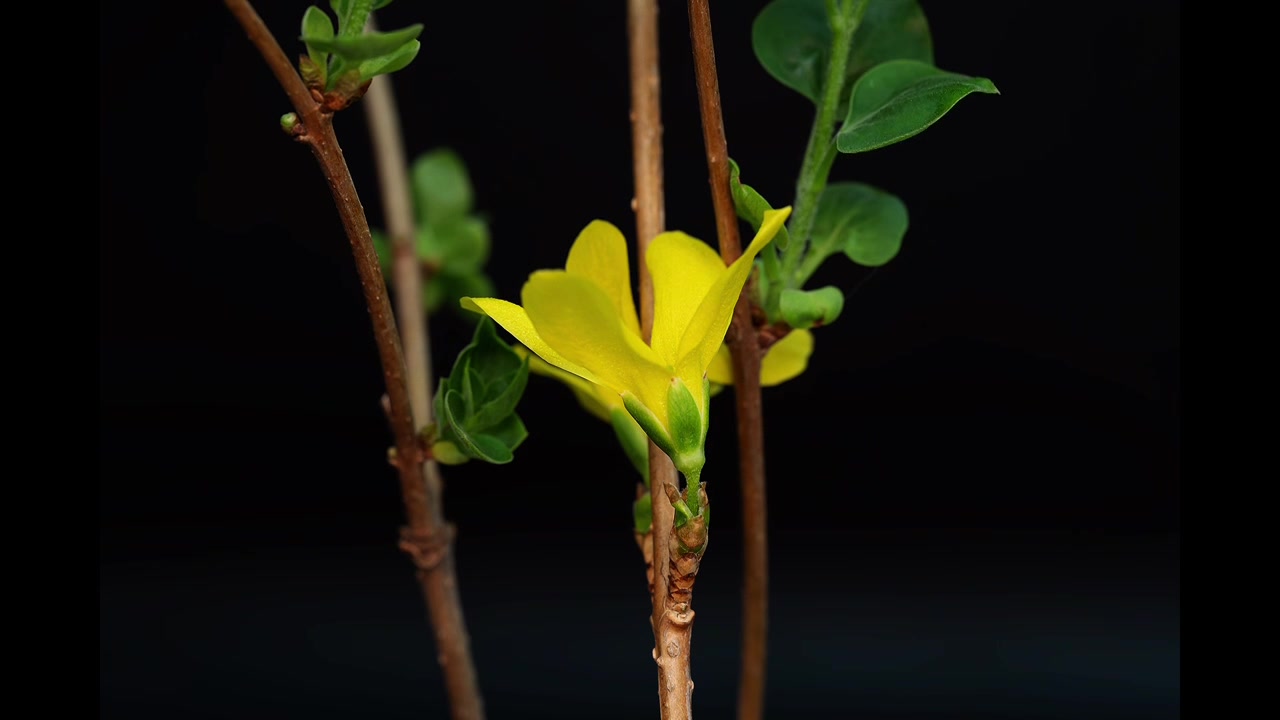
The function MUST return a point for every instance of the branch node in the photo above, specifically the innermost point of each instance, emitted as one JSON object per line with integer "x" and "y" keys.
{"x": 426, "y": 548}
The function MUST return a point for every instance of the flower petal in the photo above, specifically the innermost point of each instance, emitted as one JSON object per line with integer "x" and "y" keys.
{"x": 515, "y": 320}
{"x": 684, "y": 269}
{"x": 705, "y": 332}
{"x": 784, "y": 360}
{"x": 591, "y": 397}
{"x": 787, "y": 358}
{"x": 720, "y": 371}
{"x": 576, "y": 318}
{"x": 600, "y": 255}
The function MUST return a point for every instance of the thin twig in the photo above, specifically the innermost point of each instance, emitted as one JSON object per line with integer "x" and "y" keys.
{"x": 675, "y": 689}
{"x": 745, "y": 349}
{"x": 427, "y": 538}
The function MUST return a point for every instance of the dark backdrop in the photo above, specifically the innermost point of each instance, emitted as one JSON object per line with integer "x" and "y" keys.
{"x": 974, "y": 490}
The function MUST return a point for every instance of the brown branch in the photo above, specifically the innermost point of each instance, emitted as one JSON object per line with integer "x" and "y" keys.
{"x": 671, "y": 634}
{"x": 427, "y": 538}
{"x": 745, "y": 350}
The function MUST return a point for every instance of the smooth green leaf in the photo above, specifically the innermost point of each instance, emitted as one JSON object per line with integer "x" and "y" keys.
{"x": 464, "y": 244}
{"x": 898, "y": 99}
{"x": 387, "y": 64}
{"x": 792, "y": 40}
{"x": 316, "y": 24}
{"x": 355, "y": 48}
{"x": 807, "y": 308}
{"x": 864, "y": 222}
{"x": 379, "y": 4}
{"x": 441, "y": 187}
{"x": 642, "y": 513}
{"x": 751, "y": 206}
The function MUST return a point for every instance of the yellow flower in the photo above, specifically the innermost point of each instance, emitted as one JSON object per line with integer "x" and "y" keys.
{"x": 783, "y": 361}
{"x": 583, "y": 320}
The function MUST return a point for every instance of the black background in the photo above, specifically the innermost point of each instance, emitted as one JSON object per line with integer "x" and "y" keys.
{"x": 974, "y": 490}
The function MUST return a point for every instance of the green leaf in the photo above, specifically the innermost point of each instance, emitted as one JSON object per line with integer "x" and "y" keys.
{"x": 316, "y": 24}
{"x": 642, "y": 513}
{"x": 751, "y": 206}
{"x": 355, "y": 48}
{"x": 792, "y": 39}
{"x": 464, "y": 244}
{"x": 807, "y": 308}
{"x": 489, "y": 449}
{"x": 864, "y": 222}
{"x": 898, "y": 99}
{"x": 503, "y": 403}
{"x": 442, "y": 189}
{"x": 379, "y": 4}
{"x": 352, "y": 15}
{"x": 387, "y": 64}
{"x": 510, "y": 432}
{"x": 492, "y": 358}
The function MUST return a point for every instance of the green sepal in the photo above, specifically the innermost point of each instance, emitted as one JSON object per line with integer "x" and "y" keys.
{"x": 648, "y": 422}
{"x": 806, "y": 308}
{"x": 633, "y": 441}
{"x": 899, "y": 99}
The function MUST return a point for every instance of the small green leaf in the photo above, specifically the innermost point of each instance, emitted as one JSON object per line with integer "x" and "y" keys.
{"x": 864, "y": 222}
{"x": 379, "y": 4}
{"x": 642, "y": 513}
{"x": 489, "y": 449}
{"x": 355, "y": 48}
{"x": 492, "y": 358}
{"x": 352, "y": 15}
{"x": 633, "y": 441}
{"x": 442, "y": 189}
{"x": 387, "y": 64}
{"x": 464, "y": 244}
{"x": 510, "y": 432}
{"x": 900, "y": 98}
{"x": 793, "y": 38}
{"x": 807, "y": 308}
{"x": 498, "y": 408}
{"x": 316, "y": 24}
{"x": 751, "y": 206}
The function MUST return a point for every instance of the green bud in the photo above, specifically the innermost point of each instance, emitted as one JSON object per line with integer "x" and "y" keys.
{"x": 289, "y": 122}
{"x": 446, "y": 453}
{"x": 687, "y": 427}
